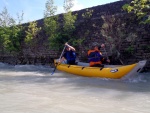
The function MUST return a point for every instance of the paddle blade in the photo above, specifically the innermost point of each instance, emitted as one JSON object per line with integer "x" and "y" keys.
{"x": 53, "y": 71}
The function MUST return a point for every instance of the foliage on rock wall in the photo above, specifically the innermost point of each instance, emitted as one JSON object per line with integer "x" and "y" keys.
{"x": 115, "y": 34}
{"x": 86, "y": 19}
{"x": 87, "y": 15}
{"x": 30, "y": 40}
{"x": 141, "y": 8}
{"x": 31, "y": 32}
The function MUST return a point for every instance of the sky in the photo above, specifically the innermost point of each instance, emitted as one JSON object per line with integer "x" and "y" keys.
{"x": 34, "y": 9}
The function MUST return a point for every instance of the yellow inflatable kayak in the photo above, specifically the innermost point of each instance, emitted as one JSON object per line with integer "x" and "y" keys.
{"x": 109, "y": 71}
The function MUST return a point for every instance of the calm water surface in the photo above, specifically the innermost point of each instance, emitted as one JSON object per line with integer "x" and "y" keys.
{"x": 32, "y": 89}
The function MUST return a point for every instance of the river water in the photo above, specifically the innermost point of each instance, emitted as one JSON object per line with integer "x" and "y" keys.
{"x": 32, "y": 89}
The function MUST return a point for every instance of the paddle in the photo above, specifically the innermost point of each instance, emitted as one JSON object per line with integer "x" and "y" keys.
{"x": 106, "y": 55}
{"x": 105, "y": 52}
{"x": 59, "y": 59}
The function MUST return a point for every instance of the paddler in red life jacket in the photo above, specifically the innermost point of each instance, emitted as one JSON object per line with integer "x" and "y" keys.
{"x": 95, "y": 57}
{"x": 69, "y": 55}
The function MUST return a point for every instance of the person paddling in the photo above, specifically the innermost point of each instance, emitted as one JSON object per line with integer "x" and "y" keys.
{"x": 95, "y": 57}
{"x": 69, "y": 55}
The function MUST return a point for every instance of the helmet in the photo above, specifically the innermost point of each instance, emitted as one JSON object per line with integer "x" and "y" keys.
{"x": 95, "y": 44}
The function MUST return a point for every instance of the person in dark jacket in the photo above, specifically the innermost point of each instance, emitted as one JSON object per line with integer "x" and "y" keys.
{"x": 69, "y": 55}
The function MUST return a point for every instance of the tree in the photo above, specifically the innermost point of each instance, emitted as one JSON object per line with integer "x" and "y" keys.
{"x": 68, "y": 4}
{"x": 113, "y": 31}
{"x": 10, "y": 33}
{"x": 141, "y": 8}
{"x": 5, "y": 19}
{"x": 51, "y": 23}
{"x": 59, "y": 33}
{"x": 31, "y": 32}
{"x": 69, "y": 20}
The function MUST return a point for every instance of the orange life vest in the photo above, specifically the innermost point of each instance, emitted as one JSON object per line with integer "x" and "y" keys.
{"x": 94, "y": 57}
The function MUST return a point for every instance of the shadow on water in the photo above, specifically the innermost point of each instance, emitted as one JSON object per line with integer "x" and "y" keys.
{"x": 29, "y": 74}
